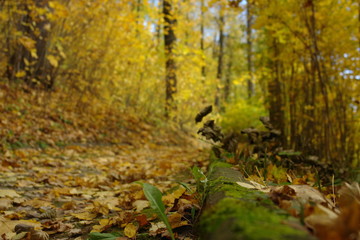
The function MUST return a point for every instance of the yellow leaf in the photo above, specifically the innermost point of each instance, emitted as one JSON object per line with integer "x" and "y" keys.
{"x": 170, "y": 198}
{"x": 85, "y": 215}
{"x": 27, "y": 63}
{"x": 5, "y": 203}
{"x": 33, "y": 53}
{"x": 140, "y": 205}
{"x": 175, "y": 220}
{"x": 103, "y": 225}
{"x": 27, "y": 42}
{"x": 7, "y": 226}
{"x": 20, "y": 74}
{"x": 130, "y": 230}
{"x": 99, "y": 207}
{"x": 37, "y": 203}
{"x": 53, "y": 61}
{"x": 8, "y": 193}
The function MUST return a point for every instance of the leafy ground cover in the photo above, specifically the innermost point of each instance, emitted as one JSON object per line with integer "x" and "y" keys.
{"x": 68, "y": 172}
{"x": 71, "y": 191}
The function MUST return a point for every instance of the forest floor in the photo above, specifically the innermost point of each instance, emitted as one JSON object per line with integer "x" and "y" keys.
{"x": 73, "y": 190}
{"x": 68, "y": 173}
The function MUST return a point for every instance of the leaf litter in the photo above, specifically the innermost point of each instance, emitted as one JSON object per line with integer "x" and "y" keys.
{"x": 66, "y": 193}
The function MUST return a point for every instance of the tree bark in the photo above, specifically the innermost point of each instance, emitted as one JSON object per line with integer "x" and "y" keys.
{"x": 275, "y": 91}
{"x": 41, "y": 70}
{"x": 227, "y": 85}
{"x": 202, "y": 40}
{"x": 220, "y": 59}
{"x": 170, "y": 64}
{"x": 250, "y": 84}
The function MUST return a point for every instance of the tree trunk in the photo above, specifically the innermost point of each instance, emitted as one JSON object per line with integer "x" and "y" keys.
{"x": 275, "y": 91}
{"x": 250, "y": 84}
{"x": 202, "y": 40}
{"x": 33, "y": 28}
{"x": 227, "y": 85}
{"x": 220, "y": 59}
{"x": 170, "y": 65}
{"x": 320, "y": 70}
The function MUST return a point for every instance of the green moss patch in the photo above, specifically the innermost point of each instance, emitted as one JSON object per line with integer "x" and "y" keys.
{"x": 241, "y": 213}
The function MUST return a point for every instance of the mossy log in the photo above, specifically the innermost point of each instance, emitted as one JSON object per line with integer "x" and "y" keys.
{"x": 233, "y": 212}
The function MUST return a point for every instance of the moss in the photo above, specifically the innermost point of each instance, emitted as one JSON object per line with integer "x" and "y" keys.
{"x": 241, "y": 213}
{"x": 247, "y": 221}
{"x": 220, "y": 164}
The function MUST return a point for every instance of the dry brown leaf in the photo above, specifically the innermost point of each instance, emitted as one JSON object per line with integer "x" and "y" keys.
{"x": 142, "y": 220}
{"x": 175, "y": 220}
{"x": 103, "y": 225}
{"x": 321, "y": 216}
{"x": 254, "y": 185}
{"x": 5, "y": 203}
{"x": 7, "y": 226}
{"x": 37, "y": 203}
{"x": 157, "y": 228}
{"x": 348, "y": 222}
{"x": 8, "y": 193}
{"x": 306, "y": 193}
{"x": 303, "y": 193}
{"x": 99, "y": 207}
{"x": 54, "y": 226}
{"x": 140, "y": 205}
{"x": 69, "y": 205}
{"x": 39, "y": 235}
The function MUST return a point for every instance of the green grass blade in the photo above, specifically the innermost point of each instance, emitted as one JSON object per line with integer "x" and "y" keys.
{"x": 103, "y": 236}
{"x": 154, "y": 195}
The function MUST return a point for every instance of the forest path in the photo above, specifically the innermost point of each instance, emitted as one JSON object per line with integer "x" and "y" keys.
{"x": 67, "y": 192}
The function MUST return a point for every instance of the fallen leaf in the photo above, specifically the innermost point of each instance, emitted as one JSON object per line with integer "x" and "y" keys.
{"x": 85, "y": 215}
{"x": 39, "y": 235}
{"x": 130, "y": 230}
{"x": 321, "y": 216}
{"x": 8, "y": 193}
{"x": 99, "y": 207}
{"x": 102, "y": 226}
{"x": 7, "y": 226}
{"x": 37, "y": 203}
{"x": 323, "y": 222}
{"x": 142, "y": 220}
{"x": 140, "y": 205}
{"x": 5, "y": 204}
{"x": 21, "y": 235}
{"x": 254, "y": 185}
{"x": 175, "y": 220}
{"x": 303, "y": 193}
{"x": 157, "y": 227}
{"x": 170, "y": 198}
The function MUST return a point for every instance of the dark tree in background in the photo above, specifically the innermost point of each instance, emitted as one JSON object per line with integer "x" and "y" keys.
{"x": 219, "y": 73}
{"x": 170, "y": 64}
{"x": 27, "y": 61}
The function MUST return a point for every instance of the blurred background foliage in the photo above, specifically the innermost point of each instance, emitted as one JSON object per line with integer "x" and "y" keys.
{"x": 295, "y": 60}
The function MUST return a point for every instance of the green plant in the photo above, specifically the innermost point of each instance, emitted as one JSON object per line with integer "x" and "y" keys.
{"x": 200, "y": 178}
{"x": 154, "y": 196}
{"x": 103, "y": 236}
{"x": 43, "y": 145}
